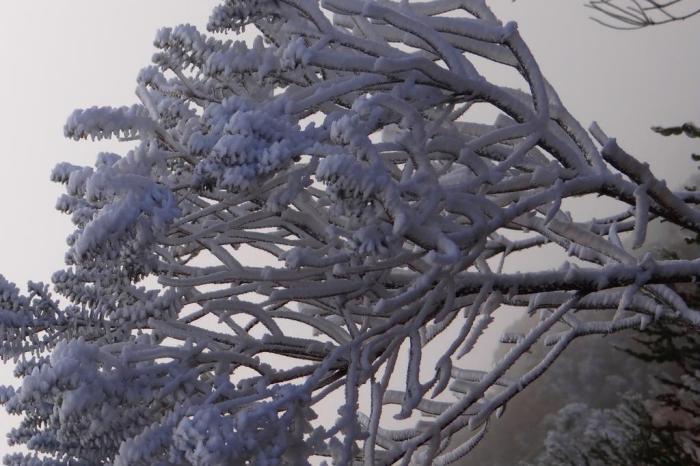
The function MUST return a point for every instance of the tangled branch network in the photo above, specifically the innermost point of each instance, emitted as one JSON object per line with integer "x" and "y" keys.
{"x": 341, "y": 148}
{"x": 637, "y": 14}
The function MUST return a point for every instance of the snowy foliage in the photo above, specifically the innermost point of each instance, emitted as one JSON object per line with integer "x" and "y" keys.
{"x": 598, "y": 437}
{"x": 626, "y": 435}
{"x": 305, "y": 215}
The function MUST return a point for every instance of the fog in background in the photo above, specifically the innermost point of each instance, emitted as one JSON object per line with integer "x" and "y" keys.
{"x": 65, "y": 54}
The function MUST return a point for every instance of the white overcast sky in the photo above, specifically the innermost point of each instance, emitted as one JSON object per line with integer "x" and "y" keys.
{"x": 58, "y": 55}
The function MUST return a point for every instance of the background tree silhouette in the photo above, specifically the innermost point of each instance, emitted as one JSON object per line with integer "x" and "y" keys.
{"x": 637, "y": 14}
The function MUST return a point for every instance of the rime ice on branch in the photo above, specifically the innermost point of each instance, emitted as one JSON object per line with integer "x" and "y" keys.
{"x": 340, "y": 145}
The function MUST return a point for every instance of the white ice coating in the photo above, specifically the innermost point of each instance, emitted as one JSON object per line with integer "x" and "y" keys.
{"x": 341, "y": 148}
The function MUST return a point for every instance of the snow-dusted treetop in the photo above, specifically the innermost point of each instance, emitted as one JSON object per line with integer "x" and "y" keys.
{"x": 341, "y": 147}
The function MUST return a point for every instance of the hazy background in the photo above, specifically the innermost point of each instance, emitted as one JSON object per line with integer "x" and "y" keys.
{"x": 65, "y": 54}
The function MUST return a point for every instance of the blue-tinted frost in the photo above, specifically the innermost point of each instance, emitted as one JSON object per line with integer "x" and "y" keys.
{"x": 340, "y": 147}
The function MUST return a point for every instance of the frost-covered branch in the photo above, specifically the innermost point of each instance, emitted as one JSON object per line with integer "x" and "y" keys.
{"x": 319, "y": 216}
